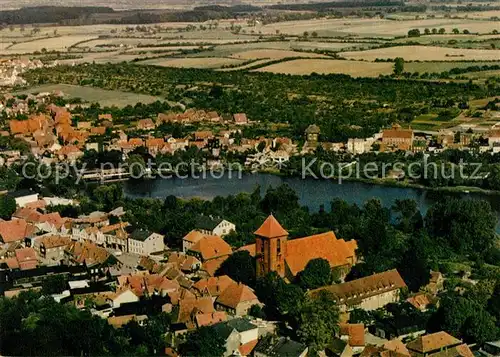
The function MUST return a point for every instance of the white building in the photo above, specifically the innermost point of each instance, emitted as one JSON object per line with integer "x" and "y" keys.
{"x": 145, "y": 243}
{"x": 24, "y": 197}
{"x": 214, "y": 226}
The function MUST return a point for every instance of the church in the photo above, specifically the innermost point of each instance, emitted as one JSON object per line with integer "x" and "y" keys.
{"x": 275, "y": 252}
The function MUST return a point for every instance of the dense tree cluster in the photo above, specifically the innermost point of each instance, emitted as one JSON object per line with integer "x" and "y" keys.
{"x": 265, "y": 96}
{"x": 33, "y": 325}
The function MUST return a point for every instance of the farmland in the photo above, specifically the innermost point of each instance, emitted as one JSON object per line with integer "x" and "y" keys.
{"x": 446, "y": 42}
{"x": 423, "y": 53}
{"x": 90, "y": 94}
{"x": 326, "y": 66}
{"x": 198, "y": 62}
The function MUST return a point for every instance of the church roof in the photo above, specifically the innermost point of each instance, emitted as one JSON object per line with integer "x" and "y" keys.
{"x": 325, "y": 245}
{"x": 271, "y": 228}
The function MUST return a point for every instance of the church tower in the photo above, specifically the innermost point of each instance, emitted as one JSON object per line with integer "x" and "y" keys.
{"x": 270, "y": 247}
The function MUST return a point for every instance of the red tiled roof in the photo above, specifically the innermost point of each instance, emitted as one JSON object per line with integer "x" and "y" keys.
{"x": 240, "y": 118}
{"x": 210, "y": 318}
{"x": 271, "y": 229}
{"x": 211, "y": 248}
{"x": 249, "y": 248}
{"x": 26, "y": 257}
{"x": 236, "y": 294}
{"x": 87, "y": 253}
{"x": 325, "y": 245}
{"x": 356, "y": 333}
{"x": 211, "y": 266}
{"x": 432, "y": 342}
{"x": 142, "y": 284}
{"x": 14, "y": 230}
{"x": 213, "y": 286}
{"x": 419, "y": 301}
{"x": 54, "y": 241}
{"x": 363, "y": 288}
{"x": 188, "y": 307}
{"x": 396, "y": 345}
{"x": 247, "y": 348}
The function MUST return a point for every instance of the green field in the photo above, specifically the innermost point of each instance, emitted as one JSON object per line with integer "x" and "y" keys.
{"x": 104, "y": 97}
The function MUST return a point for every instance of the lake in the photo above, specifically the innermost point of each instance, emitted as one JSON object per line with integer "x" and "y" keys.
{"x": 312, "y": 192}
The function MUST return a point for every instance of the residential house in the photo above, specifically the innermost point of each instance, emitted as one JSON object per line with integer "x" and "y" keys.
{"x": 15, "y": 230}
{"x": 51, "y": 247}
{"x": 85, "y": 253}
{"x": 354, "y": 335}
{"x": 420, "y": 301}
{"x": 145, "y": 284}
{"x": 491, "y": 349}
{"x": 26, "y": 258}
{"x": 191, "y": 239}
{"x": 107, "y": 117}
{"x": 272, "y": 345}
{"x": 289, "y": 257}
{"x": 236, "y": 299}
{"x": 84, "y": 125}
{"x": 439, "y": 344}
{"x": 368, "y": 293}
{"x": 122, "y": 296}
{"x": 210, "y": 248}
{"x": 356, "y": 146}
{"x": 23, "y": 197}
{"x": 190, "y": 307}
{"x": 119, "y": 321}
{"x": 210, "y": 319}
{"x": 143, "y": 242}
{"x": 397, "y": 138}
{"x": 146, "y": 124}
{"x": 214, "y": 226}
{"x": 213, "y": 116}
{"x": 393, "y": 348}
{"x": 212, "y": 286}
{"x": 436, "y": 283}
{"x": 240, "y": 119}
{"x": 238, "y": 333}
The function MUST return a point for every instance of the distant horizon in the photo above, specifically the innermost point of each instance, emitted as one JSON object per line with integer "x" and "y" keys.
{"x": 114, "y": 4}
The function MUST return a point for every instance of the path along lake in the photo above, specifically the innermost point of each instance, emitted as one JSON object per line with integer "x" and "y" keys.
{"x": 312, "y": 192}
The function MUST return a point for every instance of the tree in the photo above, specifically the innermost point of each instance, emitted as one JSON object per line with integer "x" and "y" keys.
{"x": 414, "y": 33}
{"x": 427, "y": 31}
{"x": 306, "y": 34}
{"x": 442, "y": 30}
{"x": 409, "y": 218}
{"x": 317, "y": 273}
{"x": 466, "y": 32}
{"x": 480, "y": 328}
{"x": 466, "y": 225}
{"x": 256, "y": 311}
{"x": 261, "y": 146}
{"x": 137, "y": 166}
{"x": 203, "y": 342}
{"x": 54, "y": 284}
{"x": 399, "y": 65}
{"x": 318, "y": 320}
{"x": 455, "y": 31}
{"x": 434, "y": 31}
{"x": 282, "y": 299}
{"x": 240, "y": 266}
{"x": 7, "y": 206}
{"x": 314, "y": 34}
{"x": 415, "y": 263}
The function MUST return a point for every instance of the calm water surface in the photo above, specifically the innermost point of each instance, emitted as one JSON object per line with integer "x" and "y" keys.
{"x": 312, "y": 193}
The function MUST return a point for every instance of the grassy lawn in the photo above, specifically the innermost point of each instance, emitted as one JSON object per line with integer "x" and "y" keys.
{"x": 90, "y": 94}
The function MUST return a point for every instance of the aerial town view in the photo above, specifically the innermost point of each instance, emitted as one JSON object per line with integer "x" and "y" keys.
{"x": 265, "y": 178}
